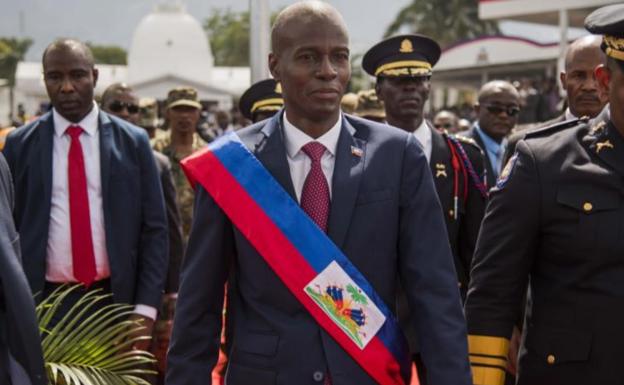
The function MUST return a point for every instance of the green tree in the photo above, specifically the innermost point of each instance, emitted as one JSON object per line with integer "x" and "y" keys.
{"x": 108, "y": 54}
{"x": 228, "y": 33}
{"x": 12, "y": 51}
{"x": 446, "y": 21}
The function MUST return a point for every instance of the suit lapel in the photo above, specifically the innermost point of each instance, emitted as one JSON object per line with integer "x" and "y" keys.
{"x": 271, "y": 151}
{"x": 348, "y": 168}
{"x": 491, "y": 181}
{"x": 46, "y": 138}
{"x": 106, "y": 148}
{"x": 441, "y": 169}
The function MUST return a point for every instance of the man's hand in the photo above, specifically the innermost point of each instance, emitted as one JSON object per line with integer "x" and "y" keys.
{"x": 145, "y": 331}
{"x": 512, "y": 356}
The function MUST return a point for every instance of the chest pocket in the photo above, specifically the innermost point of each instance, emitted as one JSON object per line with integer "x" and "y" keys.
{"x": 599, "y": 214}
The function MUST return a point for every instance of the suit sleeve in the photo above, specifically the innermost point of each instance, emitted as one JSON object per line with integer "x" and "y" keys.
{"x": 153, "y": 247}
{"x": 197, "y": 327}
{"x": 474, "y": 210}
{"x": 500, "y": 270}
{"x": 428, "y": 274}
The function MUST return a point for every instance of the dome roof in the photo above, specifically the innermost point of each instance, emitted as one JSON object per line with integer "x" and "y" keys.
{"x": 169, "y": 41}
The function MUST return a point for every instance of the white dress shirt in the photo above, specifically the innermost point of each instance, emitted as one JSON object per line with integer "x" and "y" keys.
{"x": 59, "y": 261}
{"x": 300, "y": 163}
{"x": 424, "y": 137}
{"x": 569, "y": 115}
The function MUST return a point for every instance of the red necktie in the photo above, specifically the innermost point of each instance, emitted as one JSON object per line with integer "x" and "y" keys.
{"x": 83, "y": 257}
{"x": 315, "y": 193}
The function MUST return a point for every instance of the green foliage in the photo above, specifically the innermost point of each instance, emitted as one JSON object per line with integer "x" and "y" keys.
{"x": 446, "y": 21}
{"x": 356, "y": 295}
{"x": 108, "y": 54}
{"x": 91, "y": 350}
{"x": 12, "y": 50}
{"x": 228, "y": 33}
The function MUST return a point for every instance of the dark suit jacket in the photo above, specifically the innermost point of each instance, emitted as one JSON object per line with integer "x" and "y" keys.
{"x": 385, "y": 216}
{"x": 19, "y": 333}
{"x": 557, "y": 224}
{"x": 134, "y": 212}
{"x": 176, "y": 243}
{"x": 521, "y": 131}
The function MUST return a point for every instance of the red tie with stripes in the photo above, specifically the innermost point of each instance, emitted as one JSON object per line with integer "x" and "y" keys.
{"x": 315, "y": 192}
{"x": 83, "y": 257}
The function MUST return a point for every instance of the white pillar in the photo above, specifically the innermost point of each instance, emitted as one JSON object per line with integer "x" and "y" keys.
{"x": 564, "y": 24}
{"x": 259, "y": 37}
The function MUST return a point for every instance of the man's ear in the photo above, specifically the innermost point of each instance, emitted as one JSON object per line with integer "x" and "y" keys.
{"x": 603, "y": 77}
{"x": 96, "y": 74}
{"x": 274, "y": 66}
{"x": 564, "y": 79}
{"x": 378, "y": 90}
{"x": 477, "y": 108}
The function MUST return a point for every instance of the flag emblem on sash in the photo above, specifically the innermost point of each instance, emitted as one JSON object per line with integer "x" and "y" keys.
{"x": 346, "y": 304}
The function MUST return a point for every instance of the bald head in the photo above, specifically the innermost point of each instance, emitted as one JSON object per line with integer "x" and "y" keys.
{"x": 584, "y": 47}
{"x": 73, "y": 46}
{"x": 116, "y": 89}
{"x": 496, "y": 87}
{"x": 303, "y": 13}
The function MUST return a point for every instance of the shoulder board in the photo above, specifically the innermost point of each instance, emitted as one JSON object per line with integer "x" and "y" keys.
{"x": 553, "y": 128}
{"x": 465, "y": 139}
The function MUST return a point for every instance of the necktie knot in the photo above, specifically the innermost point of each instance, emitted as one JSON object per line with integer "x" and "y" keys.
{"x": 74, "y": 131}
{"x": 314, "y": 150}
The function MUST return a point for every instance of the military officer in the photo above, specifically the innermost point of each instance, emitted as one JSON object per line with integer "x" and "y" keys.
{"x": 261, "y": 101}
{"x": 556, "y": 221}
{"x": 403, "y": 66}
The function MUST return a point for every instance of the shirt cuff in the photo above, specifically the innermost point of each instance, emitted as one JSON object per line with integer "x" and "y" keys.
{"x": 146, "y": 311}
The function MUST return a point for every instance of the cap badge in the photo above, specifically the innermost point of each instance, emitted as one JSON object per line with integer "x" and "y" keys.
{"x": 406, "y": 46}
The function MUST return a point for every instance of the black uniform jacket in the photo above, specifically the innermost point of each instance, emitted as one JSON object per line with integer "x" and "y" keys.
{"x": 554, "y": 221}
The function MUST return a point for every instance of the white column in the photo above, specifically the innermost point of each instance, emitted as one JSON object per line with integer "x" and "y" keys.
{"x": 259, "y": 37}
{"x": 564, "y": 23}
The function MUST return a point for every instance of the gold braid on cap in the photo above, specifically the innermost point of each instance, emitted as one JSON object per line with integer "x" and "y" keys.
{"x": 268, "y": 102}
{"x": 614, "y": 47}
{"x": 404, "y": 67}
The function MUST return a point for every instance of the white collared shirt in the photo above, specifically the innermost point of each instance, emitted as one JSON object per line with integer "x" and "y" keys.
{"x": 59, "y": 265}
{"x": 299, "y": 163}
{"x": 59, "y": 262}
{"x": 424, "y": 137}
{"x": 569, "y": 115}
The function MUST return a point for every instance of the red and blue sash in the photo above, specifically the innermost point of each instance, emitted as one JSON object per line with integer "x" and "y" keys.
{"x": 313, "y": 268}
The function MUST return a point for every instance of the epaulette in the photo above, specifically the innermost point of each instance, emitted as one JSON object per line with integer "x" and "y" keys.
{"x": 556, "y": 127}
{"x": 466, "y": 140}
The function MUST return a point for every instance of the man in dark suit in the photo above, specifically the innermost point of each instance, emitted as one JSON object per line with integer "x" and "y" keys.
{"x": 21, "y": 360}
{"x": 555, "y": 222}
{"x": 403, "y": 66}
{"x": 89, "y": 206}
{"x": 497, "y": 110}
{"x": 376, "y": 188}
{"x": 579, "y": 82}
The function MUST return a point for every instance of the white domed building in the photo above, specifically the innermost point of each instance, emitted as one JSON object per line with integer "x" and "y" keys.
{"x": 169, "y": 49}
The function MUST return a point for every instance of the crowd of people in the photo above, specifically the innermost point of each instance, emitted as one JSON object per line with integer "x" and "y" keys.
{"x": 328, "y": 237}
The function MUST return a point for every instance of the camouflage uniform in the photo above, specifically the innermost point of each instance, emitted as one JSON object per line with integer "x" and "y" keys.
{"x": 183, "y": 188}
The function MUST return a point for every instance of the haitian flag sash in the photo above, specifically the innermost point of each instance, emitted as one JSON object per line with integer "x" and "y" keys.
{"x": 313, "y": 268}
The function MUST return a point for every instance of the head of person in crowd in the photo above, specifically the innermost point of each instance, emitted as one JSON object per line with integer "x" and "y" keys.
{"x": 70, "y": 77}
{"x": 579, "y": 80}
{"x": 609, "y": 22}
{"x": 310, "y": 58}
{"x": 446, "y": 121}
{"x": 183, "y": 110}
{"x": 120, "y": 100}
{"x": 224, "y": 120}
{"x": 370, "y": 107}
{"x": 348, "y": 103}
{"x": 463, "y": 125}
{"x": 262, "y": 100}
{"x": 148, "y": 115}
{"x": 497, "y": 109}
{"x": 403, "y": 67}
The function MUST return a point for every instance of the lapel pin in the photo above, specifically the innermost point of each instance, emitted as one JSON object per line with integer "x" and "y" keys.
{"x": 600, "y": 145}
{"x": 357, "y": 151}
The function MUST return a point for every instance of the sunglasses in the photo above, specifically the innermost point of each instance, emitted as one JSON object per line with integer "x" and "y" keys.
{"x": 496, "y": 110}
{"x": 446, "y": 126}
{"x": 117, "y": 106}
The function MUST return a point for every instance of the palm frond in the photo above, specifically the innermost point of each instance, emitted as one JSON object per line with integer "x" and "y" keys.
{"x": 91, "y": 345}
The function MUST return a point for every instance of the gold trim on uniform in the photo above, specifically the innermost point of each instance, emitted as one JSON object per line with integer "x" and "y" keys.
{"x": 614, "y": 47}
{"x": 267, "y": 102}
{"x": 500, "y": 362}
{"x": 488, "y": 345}
{"x": 403, "y": 65}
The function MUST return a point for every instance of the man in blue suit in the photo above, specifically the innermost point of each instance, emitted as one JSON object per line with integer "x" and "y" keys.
{"x": 89, "y": 206}
{"x": 383, "y": 214}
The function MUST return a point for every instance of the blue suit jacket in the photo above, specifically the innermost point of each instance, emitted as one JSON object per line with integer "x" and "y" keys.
{"x": 134, "y": 212}
{"x": 385, "y": 216}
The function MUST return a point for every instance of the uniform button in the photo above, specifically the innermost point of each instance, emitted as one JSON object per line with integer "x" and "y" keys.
{"x": 587, "y": 206}
{"x": 550, "y": 359}
{"x": 318, "y": 376}
{"x": 451, "y": 213}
